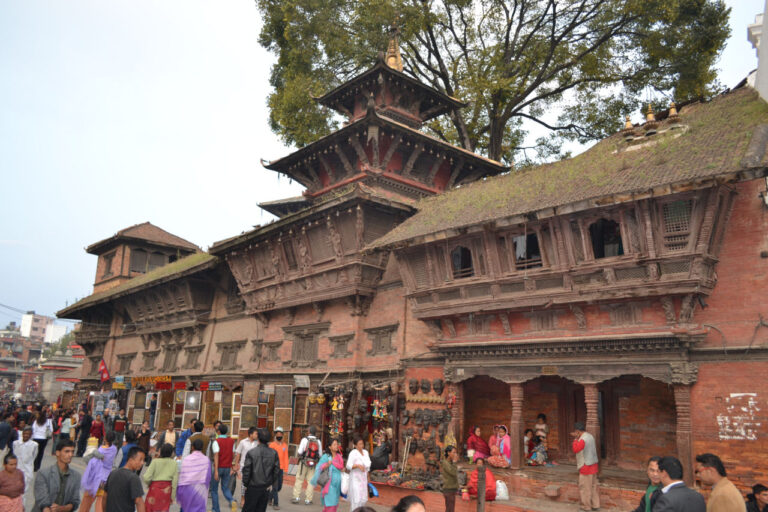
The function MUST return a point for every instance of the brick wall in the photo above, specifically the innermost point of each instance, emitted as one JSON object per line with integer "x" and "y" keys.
{"x": 486, "y": 403}
{"x": 729, "y": 407}
{"x": 647, "y": 423}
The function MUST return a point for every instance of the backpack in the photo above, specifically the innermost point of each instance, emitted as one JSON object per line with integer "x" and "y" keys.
{"x": 312, "y": 453}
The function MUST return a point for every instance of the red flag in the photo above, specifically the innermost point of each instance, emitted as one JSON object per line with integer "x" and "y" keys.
{"x": 103, "y": 372}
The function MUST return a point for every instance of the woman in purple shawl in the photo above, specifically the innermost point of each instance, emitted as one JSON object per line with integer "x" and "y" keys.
{"x": 97, "y": 472}
{"x": 194, "y": 479}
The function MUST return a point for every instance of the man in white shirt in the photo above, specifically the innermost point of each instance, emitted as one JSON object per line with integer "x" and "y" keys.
{"x": 25, "y": 450}
{"x": 243, "y": 447}
{"x": 309, "y": 452}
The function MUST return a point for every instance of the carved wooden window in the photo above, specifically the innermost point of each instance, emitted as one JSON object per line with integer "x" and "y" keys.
{"x": 605, "y": 235}
{"x": 377, "y": 224}
{"x": 527, "y": 251}
{"x": 340, "y": 346}
{"x": 577, "y": 246}
{"x": 319, "y": 244}
{"x": 461, "y": 262}
{"x": 193, "y": 357}
{"x": 676, "y": 224}
{"x": 262, "y": 261}
{"x": 304, "y": 348}
{"x": 417, "y": 261}
{"x": 290, "y": 255}
{"x": 108, "y": 259}
{"x": 125, "y": 361}
{"x": 149, "y": 360}
{"x": 543, "y": 321}
{"x": 138, "y": 260}
{"x": 156, "y": 259}
{"x": 171, "y": 356}
{"x": 229, "y": 352}
{"x": 381, "y": 339}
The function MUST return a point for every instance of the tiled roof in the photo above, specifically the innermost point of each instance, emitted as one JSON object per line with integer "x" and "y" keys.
{"x": 712, "y": 144}
{"x": 184, "y": 266}
{"x": 148, "y": 232}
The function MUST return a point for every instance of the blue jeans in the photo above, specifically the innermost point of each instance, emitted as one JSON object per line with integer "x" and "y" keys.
{"x": 276, "y": 489}
{"x": 224, "y": 481}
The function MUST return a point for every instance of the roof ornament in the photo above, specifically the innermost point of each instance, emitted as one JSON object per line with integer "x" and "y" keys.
{"x": 629, "y": 129}
{"x": 650, "y": 122}
{"x": 393, "y": 59}
{"x": 673, "y": 117}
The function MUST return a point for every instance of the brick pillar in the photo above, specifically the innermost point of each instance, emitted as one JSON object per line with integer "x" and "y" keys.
{"x": 683, "y": 431}
{"x": 516, "y": 424}
{"x": 591, "y": 397}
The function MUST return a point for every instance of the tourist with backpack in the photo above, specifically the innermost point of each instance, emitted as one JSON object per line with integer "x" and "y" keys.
{"x": 310, "y": 450}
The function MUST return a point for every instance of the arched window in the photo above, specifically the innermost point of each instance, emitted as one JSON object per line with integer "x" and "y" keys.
{"x": 606, "y": 238}
{"x": 156, "y": 259}
{"x": 461, "y": 262}
{"x": 138, "y": 260}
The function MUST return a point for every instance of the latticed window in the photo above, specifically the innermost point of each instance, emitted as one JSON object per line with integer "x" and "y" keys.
{"x": 381, "y": 339}
{"x": 125, "y": 361}
{"x": 305, "y": 348}
{"x": 171, "y": 356}
{"x": 138, "y": 260}
{"x": 193, "y": 355}
{"x": 527, "y": 251}
{"x": 417, "y": 261}
{"x": 676, "y": 216}
{"x": 605, "y": 235}
{"x": 156, "y": 259}
{"x": 149, "y": 360}
{"x": 229, "y": 352}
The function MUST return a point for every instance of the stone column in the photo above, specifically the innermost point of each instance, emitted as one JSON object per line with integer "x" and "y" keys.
{"x": 591, "y": 398}
{"x": 516, "y": 424}
{"x": 683, "y": 430}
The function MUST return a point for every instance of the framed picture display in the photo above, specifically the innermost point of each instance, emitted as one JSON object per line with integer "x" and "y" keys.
{"x": 263, "y": 410}
{"x": 237, "y": 402}
{"x": 261, "y": 422}
{"x": 316, "y": 417}
{"x": 283, "y": 418}
{"x": 163, "y": 417}
{"x": 210, "y": 396}
{"x": 188, "y": 416}
{"x": 263, "y": 396}
{"x": 192, "y": 401}
{"x": 250, "y": 392}
{"x": 211, "y": 412}
{"x": 140, "y": 399}
{"x": 138, "y": 416}
{"x": 300, "y": 409}
{"x": 178, "y": 409}
{"x": 235, "y": 424}
{"x": 130, "y": 413}
{"x": 249, "y": 415}
{"x": 166, "y": 399}
{"x": 283, "y": 396}
{"x": 226, "y": 413}
{"x": 179, "y": 396}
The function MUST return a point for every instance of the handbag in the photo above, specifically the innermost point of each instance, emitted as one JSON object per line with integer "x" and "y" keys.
{"x": 373, "y": 492}
{"x": 344, "y": 484}
{"x": 324, "y": 475}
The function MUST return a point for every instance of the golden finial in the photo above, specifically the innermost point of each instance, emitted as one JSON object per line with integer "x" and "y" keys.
{"x": 650, "y": 116}
{"x": 672, "y": 109}
{"x": 628, "y": 124}
{"x": 393, "y": 58}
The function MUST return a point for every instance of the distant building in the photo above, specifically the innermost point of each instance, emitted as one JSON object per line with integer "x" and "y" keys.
{"x": 41, "y": 327}
{"x": 759, "y": 79}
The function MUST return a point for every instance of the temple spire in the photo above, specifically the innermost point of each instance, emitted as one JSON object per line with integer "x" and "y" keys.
{"x": 393, "y": 58}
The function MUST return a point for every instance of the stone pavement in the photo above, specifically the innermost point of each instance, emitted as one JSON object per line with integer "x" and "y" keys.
{"x": 285, "y": 495}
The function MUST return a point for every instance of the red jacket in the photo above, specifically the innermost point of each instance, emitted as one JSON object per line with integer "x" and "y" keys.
{"x": 97, "y": 430}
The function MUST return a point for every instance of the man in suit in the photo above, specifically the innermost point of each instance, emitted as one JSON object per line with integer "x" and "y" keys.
{"x": 675, "y": 496}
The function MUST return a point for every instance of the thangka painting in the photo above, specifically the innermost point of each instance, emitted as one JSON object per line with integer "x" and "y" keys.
{"x": 249, "y": 416}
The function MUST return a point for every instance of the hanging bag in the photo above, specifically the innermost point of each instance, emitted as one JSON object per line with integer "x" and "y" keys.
{"x": 344, "y": 484}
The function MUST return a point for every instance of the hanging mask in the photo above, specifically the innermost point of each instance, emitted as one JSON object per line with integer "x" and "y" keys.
{"x": 435, "y": 418}
{"x": 362, "y": 406}
{"x": 418, "y": 417}
{"x": 366, "y": 418}
{"x": 438, "y": 386}
{"x": 447, "y": 416}
{"x": 413, "y": 386}
{"x": 358, "y": 420}
{"x": 441, "y": 430}
{"x": 426, "y": 386}
{"x": 405, "y": 417}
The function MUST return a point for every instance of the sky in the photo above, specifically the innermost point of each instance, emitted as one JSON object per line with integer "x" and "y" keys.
{"x": 114, "y": 113}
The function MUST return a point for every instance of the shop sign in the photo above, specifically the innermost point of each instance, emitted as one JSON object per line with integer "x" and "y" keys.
{"x": 121, "y": 382}
{"x": 214, "y": 386}
{"x": 204, "y": 385}
{"x": 549, "y": 370}
{"x": 67, "y": 386}
{"x": 181, "y": 385}
{"x": 163, "y": 381}
{"x": 301, "y": 381}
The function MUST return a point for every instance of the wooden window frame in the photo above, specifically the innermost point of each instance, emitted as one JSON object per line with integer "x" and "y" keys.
{"x": 108, "y": 258}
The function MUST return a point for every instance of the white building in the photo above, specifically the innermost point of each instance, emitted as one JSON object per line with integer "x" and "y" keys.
{"x": 759, "y": 79}
{"x": 41, "y": 327}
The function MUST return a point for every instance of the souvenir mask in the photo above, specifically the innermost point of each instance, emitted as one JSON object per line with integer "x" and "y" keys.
{"x": 441, "y": 430}
{"x": 447, "y": 416}
{"x": 426, "y": 386}
{"x": 427, "y": 417}
{"x": 418, "y": 417}
{"x": 435, "y": 418}
{"x": 358, "y": 420}
{"x": 405, "y": 417}
{"x": 366, "y": 418}
{"x": 362, "y": 406}
{"x": 437, "y": 385}
{"x": 413, "y": 386}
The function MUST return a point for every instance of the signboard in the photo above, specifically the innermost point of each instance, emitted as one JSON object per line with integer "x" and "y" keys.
{"x": 152, "y": 381}
{"x": 214, "y": 386}
{"x": 67, "y": 386}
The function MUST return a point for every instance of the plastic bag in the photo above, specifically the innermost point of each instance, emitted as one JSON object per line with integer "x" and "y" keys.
{"x": 373, "y": 492}
{"x": 502, "y": 492}
{"x": 344, "y": 484}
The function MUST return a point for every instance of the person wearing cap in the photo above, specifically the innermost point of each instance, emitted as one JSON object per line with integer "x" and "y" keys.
{"x": 282, "y": 454}
{"x": 586, "y": 461}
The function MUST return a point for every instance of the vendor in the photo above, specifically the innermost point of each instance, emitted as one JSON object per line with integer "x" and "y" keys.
{"x": 381, "y": 450}
{"x": 478, "y": 444}
{"x": 490, "y": 481}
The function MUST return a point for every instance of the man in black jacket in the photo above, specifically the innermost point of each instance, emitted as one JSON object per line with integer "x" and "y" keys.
{"x": 260, "y": 473}
{"x": 675, "y": 496}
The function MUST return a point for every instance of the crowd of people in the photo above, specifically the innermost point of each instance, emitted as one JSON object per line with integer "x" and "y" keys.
{"x": 497, "y": 451}
{"x": 184, "y": 467}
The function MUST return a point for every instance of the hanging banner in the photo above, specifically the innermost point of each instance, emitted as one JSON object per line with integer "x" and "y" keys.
{"x": 179, "y": 385}
{"x": 67, "y": 386}
{"x": 214, "y": 386}
{"x": 204, "y": 385}
{"x": 103, "y": 372}
{"x": 152, "y": 381}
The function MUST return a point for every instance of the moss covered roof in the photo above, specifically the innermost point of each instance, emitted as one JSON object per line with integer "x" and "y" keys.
{"x": 711, "y": 143}
{"x": 184, "y": 266}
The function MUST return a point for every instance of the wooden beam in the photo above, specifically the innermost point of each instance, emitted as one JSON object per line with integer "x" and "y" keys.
{"x": 455, "y": 172}
{"x": 373, "y": 140}
{"x": 390, "y": 152}
{"x": 344, "y": 161}
{"x": 355, "y": 142}
{"x": 327, "y": 166}
{"x": 417, "y": 150}
{"x": 435, "y": 167}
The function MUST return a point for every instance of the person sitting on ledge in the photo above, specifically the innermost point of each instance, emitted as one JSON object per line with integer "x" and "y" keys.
{"x": 478, "y": 445}
{"x": 539, "y": 456}
{"x": 490, "y": 481}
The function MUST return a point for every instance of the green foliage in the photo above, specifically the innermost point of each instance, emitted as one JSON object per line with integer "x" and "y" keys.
{"x": 63, "y": 344}
{"x": 514, "y": 62}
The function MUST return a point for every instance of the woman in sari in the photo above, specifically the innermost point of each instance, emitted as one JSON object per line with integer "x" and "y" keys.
{"x": 162, "y": 477}
{"x": 11, "y": 486}
{"x": 358, "y": 464}
{"x": 476, "y": 443}
{"x": 332, "y": 489}
{"x": 505, "y": 444}
{"x": 194, "y": 479}
{"x": 96, "y": 473}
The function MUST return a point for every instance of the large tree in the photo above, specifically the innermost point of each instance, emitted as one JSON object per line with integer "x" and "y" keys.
{"x": 574, "y": 67}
